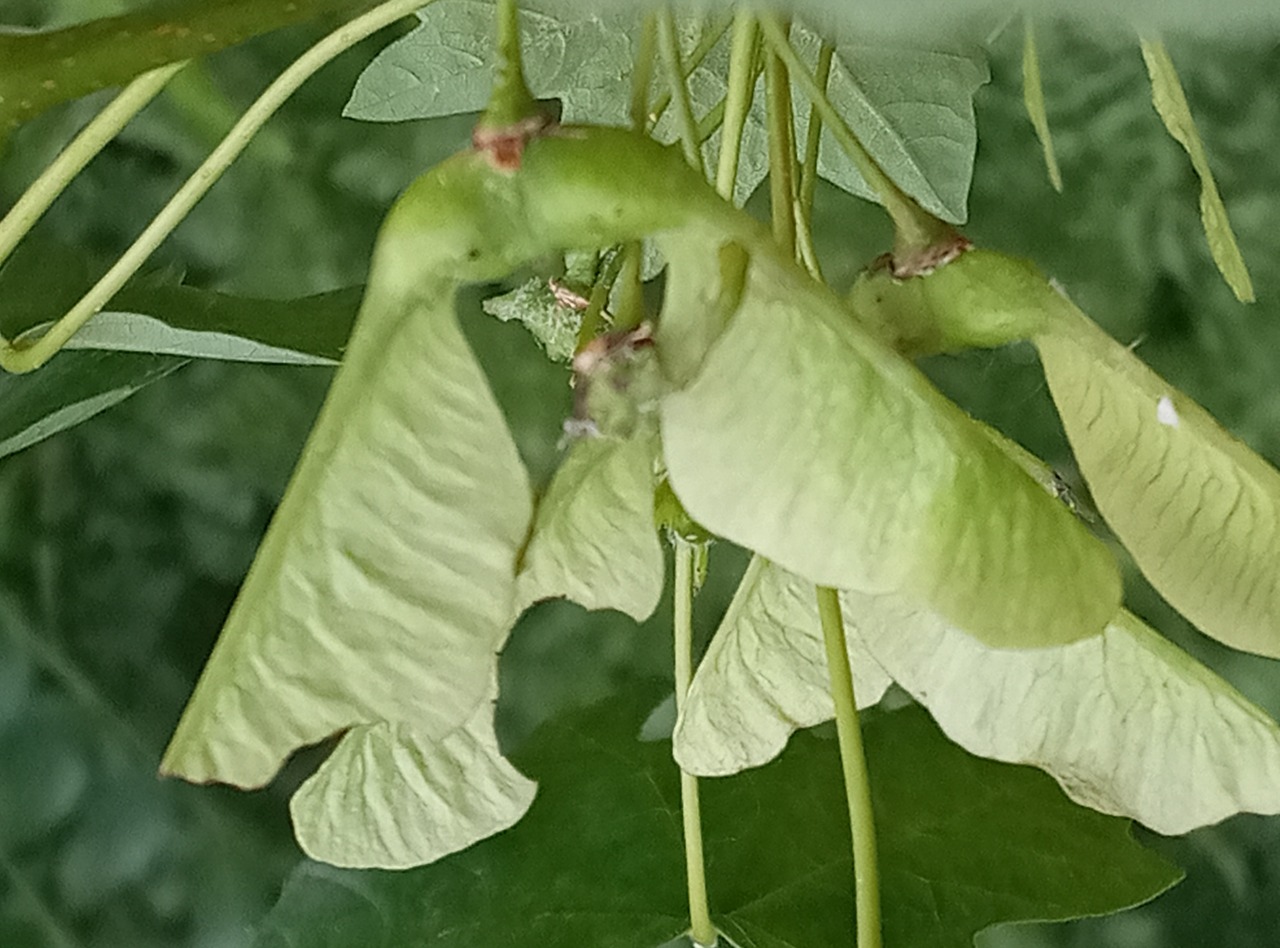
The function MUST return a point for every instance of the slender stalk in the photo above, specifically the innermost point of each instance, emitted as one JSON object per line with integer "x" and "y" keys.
{"x": 669, "y": 49}
{"x": 857, "y": 786}
{"x": 593, "y": 316}
{"x": 642, "y": 72}
{"x": 630, "y": 311}
{"x": 708, "y": 124}
{"x": 81, "y": 150}
{"x": 701, "y": 929}
{"x": 782, "y": 152}
{"x": 809, "y": 172}
{"x": 737, "y": 103}
{"x": 813, "y": 139}
{"x": 915, "y": 228}
{"x": 707, "y": 42}
{"x": 510, "y": 102}
{"x": 29, "y": 356}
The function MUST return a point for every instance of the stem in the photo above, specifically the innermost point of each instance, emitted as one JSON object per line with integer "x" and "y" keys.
{"x": 29, "y": 356}
{"x": 737, "y": 103}
{"x": 593, "y": 315}
{"x": 857, "y": 786}
{"x": 916, "y": 229}
{"x": 809, "y": 171}
{"x": 699, "y": 52}
{"x": 701, "y": 929}
{"x": 630, "y": 311}
{"x": 669, "y": 48}
{"x": 72, "y": 159}
{"x": 813, "y": 140}
{"x": 782, "y": 153}
{"x": 511, "y": 102}
{"x": 642, "y": 73}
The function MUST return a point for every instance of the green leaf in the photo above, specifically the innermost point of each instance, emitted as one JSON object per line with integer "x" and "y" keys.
{"x": 594, "y": 541}
{"x": 390, "y": 797}
{"x": 72, "y": 388}
{"x": 533, "y": 304}
{"x": 155, "y": 329}
{"x": 135, "y": 332}
{"x": 1033, "y": 99}
{"x": 152, "y": 313}
{"x": 1199, "y": 511}
{"x": 39, "y": 70}
{"x": 912, "y": 109}
{"x": 445, "y": 66}
{"x": 1171, "y": 102}
{"x": 764, "y": 676}
{"x": 385, "y": 585}
{"x": 598, "y": 860}
{"x": 1127, "y": 723}
{"x": 805, "y": 439}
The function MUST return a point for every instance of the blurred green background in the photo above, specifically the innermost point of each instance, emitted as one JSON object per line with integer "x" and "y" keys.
{"x": 122, "y": 541}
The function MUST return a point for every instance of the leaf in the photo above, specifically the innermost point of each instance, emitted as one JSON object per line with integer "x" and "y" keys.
{"x": 134, "y": 332}
{"x": 764, "y": 676}
{"x": 1127, "y": 723}
{"x": 1033, "y": 98}
{"x": 384, "y": 587}
{"x": 805, "y": 439}
{"x": 445, "y": 66}
{"x": 157, "y": 329}
{"x": 72, "y": 388}
{"x": 533, "y": 304}
{"x": 391, "y": 798}
{"x": 598, "y": 860}
{"x": 39, "y": 70}
{"x": 594, "y": 541}
{"x": 912, "y": 109}
{"x": 1199, "y": 511}
{"x": 1171, "y": 102}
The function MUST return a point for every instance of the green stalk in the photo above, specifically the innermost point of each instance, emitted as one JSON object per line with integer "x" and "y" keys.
{"x": 857, "y": 786}
{"x": 642, "y": 73}
{"x": 737, "y": 102}
{"x": 81, "y": 150}
{"x": 813, "y": 140}
{"x": 809, "y": 171}
{"x": 705, "y": 44}
{"x": 701, "y": 929}
{"x": 782, "y": 152}
{"x": 630, "y": 311}
{"x": 593, "y": 316}
{"x": 511, "y": 102}
{"x": 916, "y": 230}
{"x": 669, "y": 49}
{"x": 28, "y": 356}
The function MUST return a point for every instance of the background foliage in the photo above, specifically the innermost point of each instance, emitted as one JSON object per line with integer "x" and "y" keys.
{"x": 122, "y": 541}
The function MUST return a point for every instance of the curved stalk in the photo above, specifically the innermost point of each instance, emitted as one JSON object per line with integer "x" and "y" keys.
{"x": 915, "y": 229}
{"x": 701, "y": 929}
{"x": 27, "y": 356}
{"x": 78, "y": 153}
{"x": 853, "y": 760}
